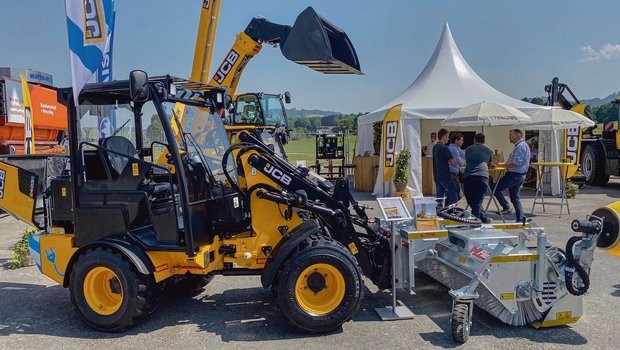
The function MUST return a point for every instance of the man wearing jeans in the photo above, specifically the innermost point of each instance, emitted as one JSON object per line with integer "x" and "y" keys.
{"x": 517, "y": 164}
{"x": 442, "y": 159}
{"x": 456, "y": 141}
{"x": 476, "y": 178}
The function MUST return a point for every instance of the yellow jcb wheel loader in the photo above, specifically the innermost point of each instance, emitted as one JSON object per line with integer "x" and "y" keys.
{"x": 119, "y": 229}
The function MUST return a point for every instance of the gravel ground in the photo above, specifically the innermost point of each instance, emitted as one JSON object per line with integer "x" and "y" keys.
{"x": 235, "y": 312}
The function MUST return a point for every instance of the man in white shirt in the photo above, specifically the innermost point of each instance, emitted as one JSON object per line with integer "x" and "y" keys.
{"x": 429, "y": 146}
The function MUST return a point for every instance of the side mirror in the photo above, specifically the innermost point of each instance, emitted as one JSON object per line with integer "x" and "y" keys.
{"x": 138, "y": 89}
{"x": 271, "y": 147}
{"x": 287, "y": 97}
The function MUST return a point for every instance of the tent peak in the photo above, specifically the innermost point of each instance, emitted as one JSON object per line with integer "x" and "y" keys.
{"x": 446, "y": 83}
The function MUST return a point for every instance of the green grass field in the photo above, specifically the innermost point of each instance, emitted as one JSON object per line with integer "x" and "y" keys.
{"x": 305, "y": 149}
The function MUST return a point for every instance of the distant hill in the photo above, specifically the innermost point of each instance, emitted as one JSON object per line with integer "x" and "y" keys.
{"x": 595, "y": 102}
{"x": 296, "y": 113}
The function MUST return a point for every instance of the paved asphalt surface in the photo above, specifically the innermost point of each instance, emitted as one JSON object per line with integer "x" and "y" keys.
{"x": 235, "y": 312}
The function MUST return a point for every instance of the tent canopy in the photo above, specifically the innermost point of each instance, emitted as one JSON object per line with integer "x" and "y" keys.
{"x": 446, "y": 84}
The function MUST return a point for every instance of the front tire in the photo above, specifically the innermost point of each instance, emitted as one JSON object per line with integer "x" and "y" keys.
{"x": 108, "y": 293}
{"x": 593, "y": 166}
{"x": 320, "y": 286}
{"x": 460, "y": 323}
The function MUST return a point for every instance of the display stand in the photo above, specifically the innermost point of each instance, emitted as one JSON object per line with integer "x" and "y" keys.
{"x": 394, "y": 209}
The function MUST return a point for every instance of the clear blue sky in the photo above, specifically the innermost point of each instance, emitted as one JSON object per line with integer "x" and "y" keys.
{"x": 516, "y": 46}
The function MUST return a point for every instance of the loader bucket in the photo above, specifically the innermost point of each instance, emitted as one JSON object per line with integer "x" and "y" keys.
{"x": 318, "y": 44}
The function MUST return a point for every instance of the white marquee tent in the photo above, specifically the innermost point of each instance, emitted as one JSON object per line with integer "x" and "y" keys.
{"x": 446, "y": 84}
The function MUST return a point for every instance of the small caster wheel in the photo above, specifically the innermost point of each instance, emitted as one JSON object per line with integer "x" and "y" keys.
{"x": 460, "y": 322}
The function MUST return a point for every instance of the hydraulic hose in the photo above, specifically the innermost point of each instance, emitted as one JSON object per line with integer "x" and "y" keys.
{"x": 574, "y": 266}
{"x": 446, "y": 213}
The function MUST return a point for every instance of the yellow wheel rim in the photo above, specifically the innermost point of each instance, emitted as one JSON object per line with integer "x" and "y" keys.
{"x": 103, "y": 291}
{"x": 320, "y": 289}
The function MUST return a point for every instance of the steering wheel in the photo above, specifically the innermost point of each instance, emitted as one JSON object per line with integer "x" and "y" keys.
{"x": 458, "y": 215}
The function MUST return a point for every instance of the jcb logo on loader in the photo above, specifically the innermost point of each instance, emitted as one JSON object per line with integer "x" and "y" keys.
{"x": 93, "y": 22}
{"x": 571, "y": 144}
{"x": 277, "y": 174}
{"x": 391, "y": 129}
{"x": 226, "y": 66}
{"x": 2, "y": 176}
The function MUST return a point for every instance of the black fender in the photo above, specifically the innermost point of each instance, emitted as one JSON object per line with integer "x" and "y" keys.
{"x": 284, "y": 248}
{"x": 136, "y": 255}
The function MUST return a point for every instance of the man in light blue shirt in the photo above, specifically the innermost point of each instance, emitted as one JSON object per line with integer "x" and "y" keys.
{"x": 517, "y": 164}
{"x": 456, "y": 141}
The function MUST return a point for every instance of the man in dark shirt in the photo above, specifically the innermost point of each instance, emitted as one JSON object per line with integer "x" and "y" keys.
{"x": 476, "y": 178}
{"x": 442, "y": 159}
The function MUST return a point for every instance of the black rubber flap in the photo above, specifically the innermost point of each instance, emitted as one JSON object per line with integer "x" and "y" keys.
{"x": 318, "y": 44}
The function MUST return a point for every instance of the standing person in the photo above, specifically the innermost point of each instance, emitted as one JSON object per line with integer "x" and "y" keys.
{"x": 456, "y": 141}
{"x": 442, "y": 159}
{"x": 430, "y": 145}
{"x": 476, "y": 178}
{"x": 518, "y": 163}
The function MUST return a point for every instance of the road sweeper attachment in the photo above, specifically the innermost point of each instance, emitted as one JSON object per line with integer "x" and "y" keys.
{"x": 509, "y": 270}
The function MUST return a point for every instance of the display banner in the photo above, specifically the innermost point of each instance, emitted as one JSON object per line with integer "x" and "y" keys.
{"x": 390, "y": 136}
{"x": 28, "y": 118}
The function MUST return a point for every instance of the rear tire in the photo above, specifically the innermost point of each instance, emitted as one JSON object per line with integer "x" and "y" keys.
{"x": 108, "y": 293}
{"x": 460, "y": 322}
{"x": 320, "y": 286}
{"x": 593, "y": 166}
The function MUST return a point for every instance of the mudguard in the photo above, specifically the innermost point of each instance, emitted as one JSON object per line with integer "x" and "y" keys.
{"x": 135, "y": 254}
{"x": 284, "y": 248}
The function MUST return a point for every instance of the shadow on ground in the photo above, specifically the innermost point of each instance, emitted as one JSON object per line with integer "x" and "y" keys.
{"x": 432, "y": 301}
{"x": 247, "y": 315}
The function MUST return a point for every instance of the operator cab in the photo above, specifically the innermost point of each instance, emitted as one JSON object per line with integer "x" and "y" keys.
{"x": 266, "y": 116}
{"x": 150, "y": 164}
{"x": 261, "y": 109}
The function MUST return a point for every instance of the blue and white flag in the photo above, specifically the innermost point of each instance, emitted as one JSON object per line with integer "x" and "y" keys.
{"x": 104, "y": 73}
{"x": 89, "y": 25}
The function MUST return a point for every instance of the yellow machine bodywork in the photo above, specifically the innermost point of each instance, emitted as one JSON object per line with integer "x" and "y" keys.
{"x": 205, "y": 37}
{"x": 56, "y": 251}
{"x": 18, "y": 192}
{"x": 610, "y": 240}
{"x": 230, "y": 70}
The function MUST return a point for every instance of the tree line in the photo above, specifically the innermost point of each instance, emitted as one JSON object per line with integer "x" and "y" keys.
{"x": 339, "y": 122}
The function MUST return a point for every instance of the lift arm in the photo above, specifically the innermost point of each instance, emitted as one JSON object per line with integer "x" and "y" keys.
{"x": 556, "y": 95}
{"x": 207, "y": 28}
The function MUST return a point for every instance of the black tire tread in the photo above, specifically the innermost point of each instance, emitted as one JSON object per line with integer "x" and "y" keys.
{"x": 316, "y": 242}
{"x": 147, "y": 295}
{"x": 460, "y": 315}
{"x": 598, "y": 178}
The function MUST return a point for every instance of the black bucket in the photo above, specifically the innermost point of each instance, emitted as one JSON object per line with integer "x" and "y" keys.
{"x": 318, "y": 44}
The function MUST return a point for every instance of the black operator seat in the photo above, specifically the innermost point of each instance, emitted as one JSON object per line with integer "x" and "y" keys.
{"x": 122, "y": 146}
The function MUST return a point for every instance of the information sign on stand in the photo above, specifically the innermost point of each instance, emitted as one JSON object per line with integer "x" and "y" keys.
{"x": 394, "y": 209}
